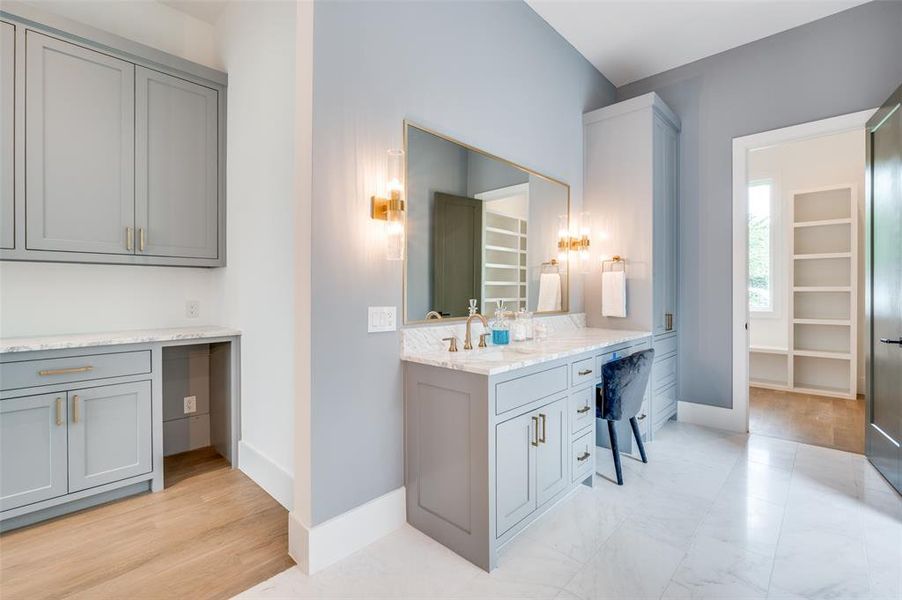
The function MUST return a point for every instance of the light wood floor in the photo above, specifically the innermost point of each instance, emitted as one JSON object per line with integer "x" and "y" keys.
{"x": 211, "y": 533}
{"x": 817, "y": 420}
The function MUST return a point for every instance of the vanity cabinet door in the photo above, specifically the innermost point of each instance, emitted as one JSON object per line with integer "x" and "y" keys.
{"x": 664, "y": 249}
{"x": 177, "y": 159}
{"x": 552, "y": 454}
{"x": 109, "y": 434}
{"x": 32, "y": 449}
{"x": 80, "y": 148}
{"x": 516, "y": 442}
{"x": 7, "y": 133}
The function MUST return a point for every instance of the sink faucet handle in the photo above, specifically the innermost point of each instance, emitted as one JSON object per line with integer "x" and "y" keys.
{"x": 473, "y": 308}
{"x": 482, "y": 337}
{"x": 452, "y": 347}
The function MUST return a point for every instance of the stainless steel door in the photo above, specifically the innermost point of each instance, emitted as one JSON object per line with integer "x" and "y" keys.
{"x": 884, "y": 289}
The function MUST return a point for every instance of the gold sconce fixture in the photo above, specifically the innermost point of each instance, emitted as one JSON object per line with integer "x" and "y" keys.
{"x": 577, "y": 239}
{"x": 390, "y": 208}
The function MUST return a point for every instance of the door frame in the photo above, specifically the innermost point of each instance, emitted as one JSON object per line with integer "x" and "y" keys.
{"x": 736, "y": 418}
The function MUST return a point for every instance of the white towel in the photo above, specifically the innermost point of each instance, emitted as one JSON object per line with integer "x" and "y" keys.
{"x": 613, "y": 294}
{"x": 549, "y": 293}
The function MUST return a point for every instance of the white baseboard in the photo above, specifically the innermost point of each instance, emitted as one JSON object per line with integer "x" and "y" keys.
{"x": 276, "y": 481}
{"x": 314, "y": 549}
{"x": 711, "y": 416}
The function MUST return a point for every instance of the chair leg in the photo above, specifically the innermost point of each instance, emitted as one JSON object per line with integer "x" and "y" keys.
{"x": 615, "y": 450}
{"x": 635, "y": 425}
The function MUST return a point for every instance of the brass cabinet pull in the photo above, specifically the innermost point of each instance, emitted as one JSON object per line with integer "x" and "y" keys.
{"x": 584, "y": 456}
{"x": 584, "y": 409}
{"x": 129, "y": 238}
{"x": 544, "y": 419}
{"x": 59, "y": 412}
{"x": 75, "y": 415}
{"x": 68, "y": 371}
{"x": 641, "y": 417}
{"x": 586, "y": 372}
{"x": 535, "y": 435}
{"x": 141, "y": 239}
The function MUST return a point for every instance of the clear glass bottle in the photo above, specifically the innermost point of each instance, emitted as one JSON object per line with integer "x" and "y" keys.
{"x": 530, "y": 325}
{"x": 500, "y": 327}
{"x": 518, "y": 327}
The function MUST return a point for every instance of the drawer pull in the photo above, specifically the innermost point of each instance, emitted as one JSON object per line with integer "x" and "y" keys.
{"x": 129, "y": 239}
{"x": 141, "y": 239}
{"x": 585, "y": 455}
{"x": 584, "y": 409}
{"x": 59, "y": 412}
{"x": 75, "y": 414}
{"x": 544, "y": 418}
{"x": 535, "y": 430}
{"x": 641, "y": 417}
{"x": 586, "y": 372}
{"x": 69, "y": 371}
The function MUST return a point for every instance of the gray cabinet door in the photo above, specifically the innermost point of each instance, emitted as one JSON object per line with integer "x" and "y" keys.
{"x": 79, "y": 158}
{"x": 665, "y": 226}
{"x": 32, "y": 449}
{"x": 176, "y": 157}
{"x": 7, "y": 134}
{"x": 515, "y": 472}
{"x": 109, "y": 434}
{"x": 552, "y": 455}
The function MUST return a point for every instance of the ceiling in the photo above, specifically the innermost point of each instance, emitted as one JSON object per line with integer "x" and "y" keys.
{"x": 630, "y": 40}
{"x": 205, "y": 10}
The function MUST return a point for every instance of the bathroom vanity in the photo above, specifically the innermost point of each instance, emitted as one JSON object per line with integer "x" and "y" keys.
{"x": 496, "y": 436}
{"x": 83, "y": 417}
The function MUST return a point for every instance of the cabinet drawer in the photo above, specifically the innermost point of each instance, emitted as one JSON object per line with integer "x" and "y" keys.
{"x": 665, "y": 371}
{"x": 583, "y": 371}
{"x": 523, "y": 390}
{"x": 32, "y": 373}
{"x": 665, "y": 346}
{"x": 664, "y": 404}
{"x": 582, "y": 409}
{"x": 582, "y": 457}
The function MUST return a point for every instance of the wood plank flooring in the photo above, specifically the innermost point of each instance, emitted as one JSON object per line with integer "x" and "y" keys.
{"x": 817, "y": 420}
{"x": 211, "y": 533}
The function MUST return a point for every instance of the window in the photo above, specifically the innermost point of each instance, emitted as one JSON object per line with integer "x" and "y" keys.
{"x": 761, "y": 281}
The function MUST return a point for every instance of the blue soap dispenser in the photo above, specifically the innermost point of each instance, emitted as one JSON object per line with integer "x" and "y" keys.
{"x": 501, "y": 334}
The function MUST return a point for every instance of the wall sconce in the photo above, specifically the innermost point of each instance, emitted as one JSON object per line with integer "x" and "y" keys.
{"x": 391, "y": 208}
{"x": 576, "y": 239}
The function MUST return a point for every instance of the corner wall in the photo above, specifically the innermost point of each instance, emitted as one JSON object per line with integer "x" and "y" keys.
{"x": 841, "y": 64}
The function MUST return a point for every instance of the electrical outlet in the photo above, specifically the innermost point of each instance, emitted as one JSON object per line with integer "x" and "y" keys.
{"x": 382, "y": 318}
{"x": 190, "y": 404}
{"x": 192, "y": 309}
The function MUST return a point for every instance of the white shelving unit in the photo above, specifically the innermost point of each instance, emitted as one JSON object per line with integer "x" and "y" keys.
{"x": 504, "y": 261}
{"x": 821, "y": 357}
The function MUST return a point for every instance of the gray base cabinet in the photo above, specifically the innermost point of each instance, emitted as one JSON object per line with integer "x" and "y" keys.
{"x": 487, "y": 455}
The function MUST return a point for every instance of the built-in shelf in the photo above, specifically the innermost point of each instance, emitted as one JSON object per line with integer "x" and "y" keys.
{"x": 505, "y": 283}
{"x": 503, "y": 266}
{"x": 768, "y": 350}
{"x": 822, "y": 288}
{"x": 822, "y": 354}
{"x": 503, "y": 249}
{"x": 835, "y": 322}
{"x": 822, "y": 223}
{"x": 823, "y": 255}
{"x": 505, "y": 232}
{"x": 822, "y": 390}
{"x": 768, "y": 384}
{"x": 504, "y": 259}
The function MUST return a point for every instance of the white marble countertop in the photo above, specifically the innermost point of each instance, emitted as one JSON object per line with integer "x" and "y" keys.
{"x": 113, "y": 338}
{"x": 516, "y": 355}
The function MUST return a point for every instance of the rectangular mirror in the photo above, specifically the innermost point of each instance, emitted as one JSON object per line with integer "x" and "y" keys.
{"x": 481, "y": 227}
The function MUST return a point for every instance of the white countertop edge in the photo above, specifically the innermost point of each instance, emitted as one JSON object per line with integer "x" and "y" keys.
{"x": 113, "y": 338}
{"x": 471, "y": 361}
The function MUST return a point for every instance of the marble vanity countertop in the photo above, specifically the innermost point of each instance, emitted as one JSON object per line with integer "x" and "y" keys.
{"x": 113, "y": 338}
{"x": 516, "y": 355}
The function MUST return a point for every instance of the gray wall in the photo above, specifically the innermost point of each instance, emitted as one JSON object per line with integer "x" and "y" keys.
{"x": 841, "y": 64}
{"x": 492, "y": 74}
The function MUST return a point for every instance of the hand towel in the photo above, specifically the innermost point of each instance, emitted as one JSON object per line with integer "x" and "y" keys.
{"x": 549, "y": 293}
{"x": 613, "y": 294}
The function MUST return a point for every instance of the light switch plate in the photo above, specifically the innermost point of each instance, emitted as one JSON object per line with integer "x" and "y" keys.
{"x": 382, "y": 318}
{"x": 190, "y": 404}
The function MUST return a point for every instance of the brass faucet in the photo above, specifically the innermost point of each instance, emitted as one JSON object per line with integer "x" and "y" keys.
{"x": 468, "y": 340}
{"x": 433, "y": 315}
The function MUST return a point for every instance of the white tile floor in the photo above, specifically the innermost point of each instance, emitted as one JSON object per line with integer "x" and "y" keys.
{"x": 713, "y": 515}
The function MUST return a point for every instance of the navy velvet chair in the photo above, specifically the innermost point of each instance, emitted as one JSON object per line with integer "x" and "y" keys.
{"x": 619, "y": 396}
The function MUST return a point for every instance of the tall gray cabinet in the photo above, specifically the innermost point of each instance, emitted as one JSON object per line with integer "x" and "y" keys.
{"x": 122, "y": 156}
{"x": 631, "y": 180}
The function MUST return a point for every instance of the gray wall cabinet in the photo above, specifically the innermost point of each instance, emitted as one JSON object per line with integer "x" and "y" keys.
{"x": 7, "y": 133}
{"x": 487, "y": 455}
{"x": 32, "y": 449}
{"x": 124, "y": 156}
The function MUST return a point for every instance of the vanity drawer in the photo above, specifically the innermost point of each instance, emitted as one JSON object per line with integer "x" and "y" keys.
{"x": 665, "y": 346}
{"x": 583, "y": 371}
{"x": 582, "y": 409}
{"x": 665, "y": 372}
{"x": 582, "y": 457}
{"x": 523, "y": 390}
{"x": 49, "y": 371}
{"x": 665, "y": 403}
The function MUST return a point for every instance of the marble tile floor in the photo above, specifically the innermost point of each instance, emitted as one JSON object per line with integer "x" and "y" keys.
{"x": 713, "y": 515}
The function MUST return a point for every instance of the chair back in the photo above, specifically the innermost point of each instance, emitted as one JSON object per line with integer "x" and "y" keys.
{"x": 623, "y": 385}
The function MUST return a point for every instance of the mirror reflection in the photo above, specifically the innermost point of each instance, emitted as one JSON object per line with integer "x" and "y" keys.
{"x": 480, "y": 227}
